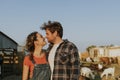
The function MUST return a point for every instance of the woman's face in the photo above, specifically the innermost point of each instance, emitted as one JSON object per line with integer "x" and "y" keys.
{"x": 40, "y": 40}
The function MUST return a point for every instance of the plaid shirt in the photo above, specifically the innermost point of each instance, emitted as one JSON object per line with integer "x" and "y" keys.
{"x": 66, "y": 62}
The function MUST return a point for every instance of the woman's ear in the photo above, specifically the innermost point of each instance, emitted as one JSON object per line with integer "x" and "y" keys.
{"x": 35, "y": 42}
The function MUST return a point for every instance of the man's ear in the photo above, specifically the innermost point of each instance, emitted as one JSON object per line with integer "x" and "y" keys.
{"x": 55, "y": 33}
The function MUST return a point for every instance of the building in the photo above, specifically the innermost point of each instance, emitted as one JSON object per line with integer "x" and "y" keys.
{"x": 111, "y": 51}
{"x": 8, "y": 54}
{"x": 7, "y": 42}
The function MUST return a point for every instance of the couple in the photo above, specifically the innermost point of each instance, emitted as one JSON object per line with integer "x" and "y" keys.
{"x": 59, "y": 62}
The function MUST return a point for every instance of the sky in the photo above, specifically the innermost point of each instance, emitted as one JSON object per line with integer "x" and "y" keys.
{"x": 85, "y": 22}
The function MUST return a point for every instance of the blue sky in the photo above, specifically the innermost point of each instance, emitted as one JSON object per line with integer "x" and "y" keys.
{"x": 85, "y": 22}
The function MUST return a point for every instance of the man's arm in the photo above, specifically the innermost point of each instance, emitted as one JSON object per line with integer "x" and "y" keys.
{"x": 75, "y": 64}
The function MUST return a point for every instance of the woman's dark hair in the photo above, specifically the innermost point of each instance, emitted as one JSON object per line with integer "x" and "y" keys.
{"x": 53, "y": 26}
{"x": 30, "y": 43}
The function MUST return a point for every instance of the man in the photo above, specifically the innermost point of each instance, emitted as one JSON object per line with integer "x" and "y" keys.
{"x": 63, "y": 55}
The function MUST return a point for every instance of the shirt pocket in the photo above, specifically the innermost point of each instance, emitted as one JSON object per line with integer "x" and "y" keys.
{"x": 64, "y": 57}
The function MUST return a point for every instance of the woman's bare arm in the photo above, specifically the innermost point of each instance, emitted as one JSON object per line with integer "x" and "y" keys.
{"x": 25, "y": 72}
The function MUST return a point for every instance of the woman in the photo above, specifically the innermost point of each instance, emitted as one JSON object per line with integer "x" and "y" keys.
{"x": 35, "y": 65}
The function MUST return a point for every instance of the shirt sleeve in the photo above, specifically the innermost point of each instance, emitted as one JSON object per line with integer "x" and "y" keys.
{"x": 26, "y": 61}
{"x": 75, "y": 62}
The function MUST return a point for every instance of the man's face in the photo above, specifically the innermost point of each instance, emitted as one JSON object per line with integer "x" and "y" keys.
{"x": 51, "y": 37}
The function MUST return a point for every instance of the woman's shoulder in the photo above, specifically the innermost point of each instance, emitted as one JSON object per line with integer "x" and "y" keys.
{"x": 26, "y": 57}
{"x": 27, "y": 60}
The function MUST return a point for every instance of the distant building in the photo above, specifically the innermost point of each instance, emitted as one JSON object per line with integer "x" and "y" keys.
{"x": 113, "y": 51}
